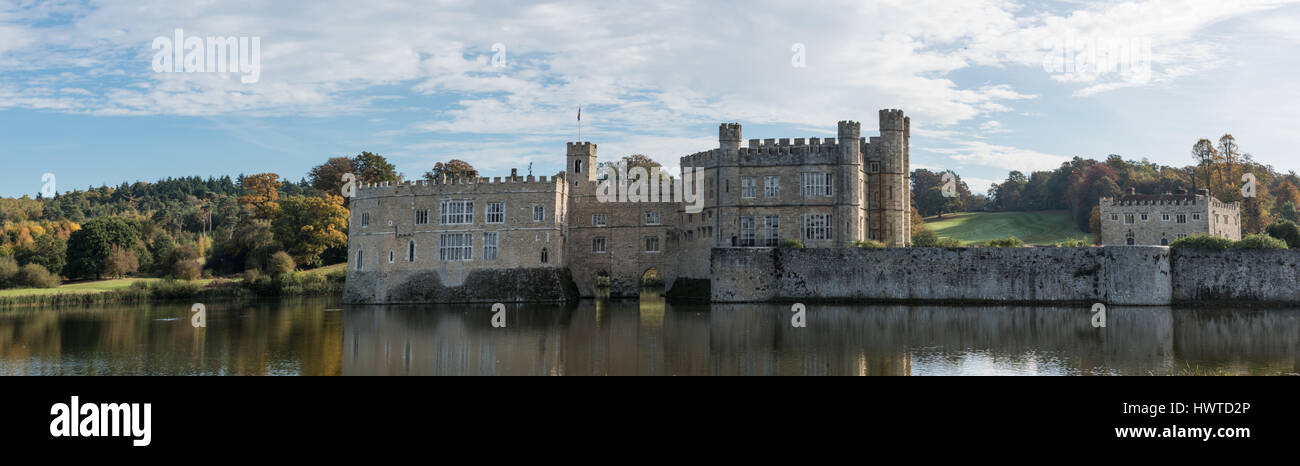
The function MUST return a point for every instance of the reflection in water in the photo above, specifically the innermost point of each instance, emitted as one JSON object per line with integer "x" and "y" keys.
{"x": 650, "y": 337}
{"x": 276, "y": 337}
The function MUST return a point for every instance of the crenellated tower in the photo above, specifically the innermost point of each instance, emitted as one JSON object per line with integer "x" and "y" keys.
{"x": 582, "y": 161}
{"x": 890, "y": 205}
{"x": 850, "y": 213}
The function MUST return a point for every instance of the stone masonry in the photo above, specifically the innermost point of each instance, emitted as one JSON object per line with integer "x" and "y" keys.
{"x": 1160, "y": 219}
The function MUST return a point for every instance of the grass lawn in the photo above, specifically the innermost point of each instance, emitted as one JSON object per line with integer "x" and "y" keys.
{"x": 99, "y": 286}
{"x": 1039, "y": 228}
{"x": 93, "y": 286}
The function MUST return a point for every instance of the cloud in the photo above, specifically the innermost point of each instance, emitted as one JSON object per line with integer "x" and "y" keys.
{"x": 1005, "y": 157}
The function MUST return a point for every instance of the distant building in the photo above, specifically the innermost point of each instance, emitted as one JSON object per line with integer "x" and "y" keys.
{"x": 1159, "y": 219}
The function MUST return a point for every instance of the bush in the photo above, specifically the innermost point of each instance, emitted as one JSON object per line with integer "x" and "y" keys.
{"x": 1206, "y": 242}
{"x": 868, "y": 244}
{"x": 1008, "y": 242}
{"x": 1073, "y": 244}
{"x": 1259, "y": 242}
{"x": 186, "y": 270}
{"x": 174, "y": 289}
{"x": 1285, "y": 230}
{"x": 281, "y": 263}
{"x": 35, "y": 276}
{"x": 120, "y": 262}
{"x": 8, "y": 272}
{"x": 251, "y": 275}
{"x": 792, "y": 244}
{"x": 929, "y": 239}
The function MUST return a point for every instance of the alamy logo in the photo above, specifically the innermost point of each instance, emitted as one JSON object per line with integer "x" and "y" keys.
{"x": 618, "y": 183}
{"x": 196, "y": 54}
{"x": 102, "y": 420}
{"x": 949, "y": 185}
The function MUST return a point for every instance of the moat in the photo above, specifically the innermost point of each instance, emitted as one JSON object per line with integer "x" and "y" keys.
{"x": 318, "y": 336}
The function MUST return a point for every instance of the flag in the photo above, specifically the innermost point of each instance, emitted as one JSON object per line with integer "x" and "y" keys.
{"x": 579, "y": 113}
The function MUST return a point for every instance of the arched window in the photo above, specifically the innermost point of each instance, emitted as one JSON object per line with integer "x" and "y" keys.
{"x": 1128, "y": 238}
{"x": 544, "y": 255}
{"x": 1164, "y": 241}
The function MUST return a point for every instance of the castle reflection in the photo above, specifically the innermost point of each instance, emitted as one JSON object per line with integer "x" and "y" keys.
{"x": 651, "y": 337}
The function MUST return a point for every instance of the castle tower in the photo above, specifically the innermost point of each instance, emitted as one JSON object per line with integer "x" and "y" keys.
{"x": 893, "y": 208}
{"x": 581, "y": 161}
{"x": 729, "y": 136}
{"x": 849, "y": 211}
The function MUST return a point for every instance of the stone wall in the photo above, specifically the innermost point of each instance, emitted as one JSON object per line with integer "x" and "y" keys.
{"x": 1236, "y": 276}
{"x": 1113, "y": 275}
{"x": 537, "y": 284}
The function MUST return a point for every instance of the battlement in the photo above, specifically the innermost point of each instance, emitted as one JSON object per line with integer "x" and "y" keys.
{"x": 893, "y": 120}
{"x": 458, "y": 184}
{"x": 581, "y": 148}
{"x": 729, "y": 132}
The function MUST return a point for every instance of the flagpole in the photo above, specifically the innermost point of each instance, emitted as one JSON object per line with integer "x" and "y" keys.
{"x": 579, "y": 124}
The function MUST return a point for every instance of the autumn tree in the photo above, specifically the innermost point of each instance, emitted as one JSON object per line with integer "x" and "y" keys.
{"x": 120, "y": 262}
{"x": 310, "y": 225}
{"x": 261, "y": 192}
{"x": 328, "y": 177}
{"x": 373, "y": 168}
{"x": 454, "y": 168}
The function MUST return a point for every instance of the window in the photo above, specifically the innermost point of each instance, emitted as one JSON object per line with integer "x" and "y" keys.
{"x": 496, "y": 212}
{"x": 365, "y": 219}
{"x": 598, "y": 244}
{"x": 1196, "y": 216}
{"x": 1144, "y": 217}
{"x": 747, "y": 231}
{"x": 598, "y": 220}
{"x": 1181, "y": 218}
{"x": 456, "y": 212}
{"x": 652, "y": 244}
{"x": 390, "y": 256}
{"x": 360, "y": 259}
{"x": 1114, "y": 217}
{"x": 816, "y": 226}
{"x": 410, "y": 251}
{"x": 748, "y": 187}
{"x": 1164, "y": 217}
{"x": 1128, "y": 219}
{"x": 816, "y": 184}
{"x": 772, "y": 186}
{"x": 539, "y": 213}
{"x": 422, "y": 216}
{"x": 875, "y": 167}
{"x": 1128, "y": 238}
{"x": 1182, "y": 235}
{"x": 772, "y": 225}
{"x": 490, "y": 239}
{"x": 1164, "y": 241}
{"x": 577, "y": 166}
{"x": 545, "y": 256}
{"x": 455, "y": 247}
{"x": 651, "y": 217}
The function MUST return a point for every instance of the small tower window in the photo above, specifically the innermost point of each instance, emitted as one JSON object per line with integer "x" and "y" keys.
{"x": 577, "y": 166}
{"x": 545, "y": 256}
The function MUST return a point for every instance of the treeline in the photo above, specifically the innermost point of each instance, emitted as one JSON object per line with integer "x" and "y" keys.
{"x": 1078, "y": 185}
{"x": 183, "y": 228}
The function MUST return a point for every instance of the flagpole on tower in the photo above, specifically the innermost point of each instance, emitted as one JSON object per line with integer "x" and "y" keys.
{"x": 580, "y": 124}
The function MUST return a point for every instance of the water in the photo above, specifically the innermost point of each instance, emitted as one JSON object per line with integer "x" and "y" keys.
{"x": 646, "y": 337}
{"x": 651, "y": 337}
{"x": 276, "y": 337}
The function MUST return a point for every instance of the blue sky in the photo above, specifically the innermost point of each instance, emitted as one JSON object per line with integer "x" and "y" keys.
{"x": 79, "y": 97}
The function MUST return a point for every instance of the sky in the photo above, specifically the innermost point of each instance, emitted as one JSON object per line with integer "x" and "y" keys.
{"x": 990, "y": 85}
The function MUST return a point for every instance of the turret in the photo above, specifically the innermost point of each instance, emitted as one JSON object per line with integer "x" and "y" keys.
{"x": 729, "y": 136}
{"x": 581, "y": 161}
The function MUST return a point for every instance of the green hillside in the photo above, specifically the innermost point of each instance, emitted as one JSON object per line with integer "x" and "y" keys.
{"x": 1039, "y": 228}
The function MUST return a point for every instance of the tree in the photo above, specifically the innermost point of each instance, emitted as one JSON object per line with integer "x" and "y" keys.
{"x": 328, "y": 177}
{"x": 249, "y": 246}
{"x": 262, "y": 193}
{"x": 90, "y": 246}
{"x": 373, "y": 168}
{"x": 1285, "y": 230}
{"x": 454, "y": 168}
{"x": 120, "y": 262}
{"x": 308, "y": 226}
{"x": 281, "y": 263}
{"x": 1204, "y": 154}
{"x": 1094, "y": 224}
{"x": 48, "y": 250}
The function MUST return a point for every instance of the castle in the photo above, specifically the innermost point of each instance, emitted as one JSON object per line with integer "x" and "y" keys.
{"x": 1160, "y": 219}
{"x": 410, "y": 237}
